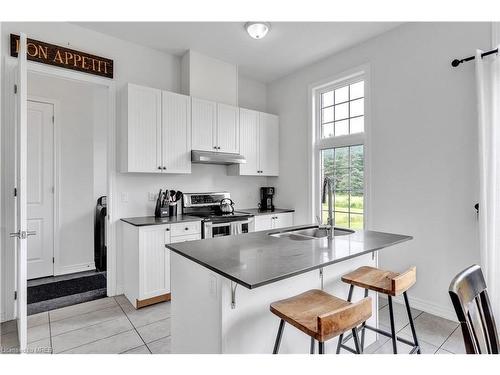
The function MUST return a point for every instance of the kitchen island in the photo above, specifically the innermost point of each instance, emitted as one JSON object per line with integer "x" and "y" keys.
{"x": 222, "y": 287}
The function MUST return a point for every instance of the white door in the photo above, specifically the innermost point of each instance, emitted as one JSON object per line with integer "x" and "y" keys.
{"x": 40, "y": 189}
{"x": 21, "y": 236}
{"x": 228, "y": 139}
{"x": 249, "y": 126}
{"x": 154, "y": 261}
{"x": 269, "y": 144}
{"x": 144, "y": 129}
{"x": 263, "y": 222}
{"x": 203, "y": 120}
{"x": 176, "y": 132}
{"x": 283, "y": 220}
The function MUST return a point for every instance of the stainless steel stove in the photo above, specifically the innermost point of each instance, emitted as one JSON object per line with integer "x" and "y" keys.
{"x": 215, "y": 223}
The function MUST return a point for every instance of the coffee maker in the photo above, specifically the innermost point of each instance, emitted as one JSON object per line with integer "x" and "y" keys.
{"x": 266, "y": 199}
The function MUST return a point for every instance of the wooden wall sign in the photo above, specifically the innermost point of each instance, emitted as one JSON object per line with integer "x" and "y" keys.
{"x": 51, "y": 54}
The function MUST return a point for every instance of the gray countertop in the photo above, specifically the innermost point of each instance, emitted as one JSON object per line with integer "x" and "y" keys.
{"x": 256, "y": 259}
{"x": 257, "y": 212}
{"x": 151, "y": 220}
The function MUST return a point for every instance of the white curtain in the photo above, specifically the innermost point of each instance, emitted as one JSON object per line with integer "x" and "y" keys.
{"x": 488, "y": 96}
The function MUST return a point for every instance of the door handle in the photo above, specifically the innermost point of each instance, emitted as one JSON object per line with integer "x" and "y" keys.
{"x": 23, "y": 234}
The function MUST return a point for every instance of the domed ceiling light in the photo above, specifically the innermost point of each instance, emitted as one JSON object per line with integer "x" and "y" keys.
{"x": 257, "y": 30}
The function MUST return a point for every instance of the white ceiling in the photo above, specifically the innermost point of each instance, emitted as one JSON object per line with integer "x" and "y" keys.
{"x": 288, "y": 46}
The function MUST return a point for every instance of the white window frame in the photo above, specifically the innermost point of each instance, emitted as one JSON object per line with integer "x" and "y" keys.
{"x": 316, "y": 143}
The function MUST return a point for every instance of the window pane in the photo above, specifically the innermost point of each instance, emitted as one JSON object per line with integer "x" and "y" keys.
{"x": 327, "y": 163}
{"x": 357, "y": 125}
{"x": 327, "y": 130}
{"x": 342, "y": 127}
{"x": 327, "y": 99}
{"x": 357, "y": 90}
{"x": 345, "y": 165}
{"x": 341, "y": 202}
{"x": 341, "y": 111}
{"x": 356, "y": 221}
{"x": 357, "y": 108}
{"x": 341, "y": 220}
{"x": 341, "y": 179}
{"x": 327, "y": 115}
{"x": 356, "y": 202}
{"x": 342, "y": 157}
{"x": 342, "y": 95}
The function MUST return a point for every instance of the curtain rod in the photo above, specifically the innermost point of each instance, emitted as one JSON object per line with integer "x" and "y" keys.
{"x": 457, "y": 62}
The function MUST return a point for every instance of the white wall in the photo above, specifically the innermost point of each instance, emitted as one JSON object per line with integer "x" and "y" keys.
{"x": 423, "y": 147}
{"x": 82, "y": 173}
{"x": 144, "y": 66}
{"x": 252, "y": 94}
{"x": 208, "y": 78}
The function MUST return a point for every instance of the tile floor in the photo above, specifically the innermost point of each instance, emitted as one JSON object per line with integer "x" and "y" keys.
{"x": 108, "y": 326}
{"x": 112, "y": 325}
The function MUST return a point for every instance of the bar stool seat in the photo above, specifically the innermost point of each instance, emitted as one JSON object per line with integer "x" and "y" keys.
{"x": 386, "y": 282}
{"x": 320, "y": 315}
{"x": 391, "y": 284}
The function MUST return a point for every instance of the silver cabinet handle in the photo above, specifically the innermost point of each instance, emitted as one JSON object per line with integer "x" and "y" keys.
{"x": 22, "y": 235}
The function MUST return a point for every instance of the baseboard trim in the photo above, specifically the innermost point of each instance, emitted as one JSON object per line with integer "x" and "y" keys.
{"x": 426, "y": 306}
{"x": 75, "y": 268}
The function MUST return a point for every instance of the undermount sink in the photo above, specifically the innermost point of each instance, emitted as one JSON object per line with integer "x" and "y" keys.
{"x": 310, "y": 233}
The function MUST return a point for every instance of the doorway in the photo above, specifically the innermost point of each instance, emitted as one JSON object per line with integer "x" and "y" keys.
{"x": 66, "y": 177}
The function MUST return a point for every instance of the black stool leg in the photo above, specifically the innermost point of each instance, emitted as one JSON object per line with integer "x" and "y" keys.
{"x": 278, "y": 337}
{"x": 393, "y": 328}
{"x": 363, "y": 328}
{"x": 312, "y": 345}
{"x": 341, "y": 337}
{"x": 355, "y": 337}
{"x": 412, "y": 325}
{"x": 321, "y": 347}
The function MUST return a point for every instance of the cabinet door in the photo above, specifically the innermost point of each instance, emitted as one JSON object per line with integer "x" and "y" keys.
{"x": 269, "y": 144}
{"x": 154, "y": 261}
{"x": 176, "y": 133}
{"x": 203, "y": 120}
{"x": 228, "y": 119}
{"x": 249, "y": 126}
{"x": 143, "y": 129}
{"x": 283, "y": 220}
{"x": 263, "y": 222}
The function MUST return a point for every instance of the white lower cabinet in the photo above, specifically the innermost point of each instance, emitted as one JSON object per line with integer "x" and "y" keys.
{"x": 147, "y": 260}
{"x": 273, "y": 221}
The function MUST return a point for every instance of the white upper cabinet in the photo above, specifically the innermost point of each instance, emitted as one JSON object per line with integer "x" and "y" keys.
{"x": 156, "y": 137}
{"x": 259, "y": 144}
{"x": 204, "y": 124}
{"x": 176, "y": 133}
{"x": 141, "y": 141}
{"x": 215, "y": 126}
{"x": 249, "y": 141}
{"x": 269, "y": 144}
{"x": 228, "y": 119}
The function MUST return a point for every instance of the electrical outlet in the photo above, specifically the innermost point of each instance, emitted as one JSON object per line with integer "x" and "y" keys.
{"x": 152, "y": 196}
{"x": 124, "y": 197}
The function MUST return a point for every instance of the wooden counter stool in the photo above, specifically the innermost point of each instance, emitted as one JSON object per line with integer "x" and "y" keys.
{"x": 392, "y": 284}
{"x": 321, "y": 316}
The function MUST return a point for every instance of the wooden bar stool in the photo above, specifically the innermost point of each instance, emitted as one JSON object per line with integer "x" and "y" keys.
{"x": 321, "y": 316}
{"x": 391, "y": 284}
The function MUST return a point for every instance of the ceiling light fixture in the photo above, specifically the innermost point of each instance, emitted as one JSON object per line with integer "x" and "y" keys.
{"x": 257, "y": 30}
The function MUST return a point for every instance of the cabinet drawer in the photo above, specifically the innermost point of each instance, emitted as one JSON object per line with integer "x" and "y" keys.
{"x": 189, "y": 237}
{"x": 184, "y": 229}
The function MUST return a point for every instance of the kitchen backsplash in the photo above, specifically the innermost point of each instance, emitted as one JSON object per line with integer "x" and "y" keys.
{"x": 135, "y": 187}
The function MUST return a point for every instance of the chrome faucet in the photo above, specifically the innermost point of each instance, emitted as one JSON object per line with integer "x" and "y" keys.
{"x": 327, "y": 188}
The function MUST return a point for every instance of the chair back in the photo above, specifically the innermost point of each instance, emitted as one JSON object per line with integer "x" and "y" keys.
{"x": 472, "y": 305}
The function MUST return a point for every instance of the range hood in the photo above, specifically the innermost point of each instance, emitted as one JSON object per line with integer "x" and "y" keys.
{"x": 210, "y": 157}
